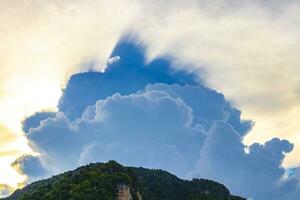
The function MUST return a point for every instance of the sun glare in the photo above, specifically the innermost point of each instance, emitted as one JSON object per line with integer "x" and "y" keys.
{"x": 23, "y": 94}
{"x": 10, "y": 176}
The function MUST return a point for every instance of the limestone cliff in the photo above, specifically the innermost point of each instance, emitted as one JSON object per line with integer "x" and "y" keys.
{"x": 124, "y": 193}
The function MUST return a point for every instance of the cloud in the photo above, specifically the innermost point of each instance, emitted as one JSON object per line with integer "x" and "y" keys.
{"x": 96, "y": 105}
{"x": 5, "y": 190}
{"x": 130, "y": 129}
{"x": 113, "y": 60}
{"x": 256, "y": 173}
{"x": 126, "y": 128}
{"x": 32, "y": 167}
{"x": 34, "y": 120}
{"x": 208, "y": 106}
{"x": 167, "y": 121}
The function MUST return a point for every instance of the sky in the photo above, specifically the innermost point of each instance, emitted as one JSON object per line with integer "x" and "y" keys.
{"x": 222, "y": 75}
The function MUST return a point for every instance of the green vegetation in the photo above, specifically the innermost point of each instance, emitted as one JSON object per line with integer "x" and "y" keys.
{"x": 101, "y": 182}
{"x": 159, "y": 184}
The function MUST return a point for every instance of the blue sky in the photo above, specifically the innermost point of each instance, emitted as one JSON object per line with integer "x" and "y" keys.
{"x": 212, "y": 86}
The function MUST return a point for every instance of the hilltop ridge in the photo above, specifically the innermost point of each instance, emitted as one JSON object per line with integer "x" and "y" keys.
{"x": 112, "y": 181}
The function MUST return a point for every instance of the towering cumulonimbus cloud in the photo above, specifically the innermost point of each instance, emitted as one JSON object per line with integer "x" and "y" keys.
{"x": 154, "y": 115}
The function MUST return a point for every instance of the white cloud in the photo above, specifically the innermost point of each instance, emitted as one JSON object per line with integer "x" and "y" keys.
{"x": 113, "y": 60}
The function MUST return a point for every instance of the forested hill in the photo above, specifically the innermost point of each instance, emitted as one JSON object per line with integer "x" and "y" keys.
{"x": 112, "y": 181}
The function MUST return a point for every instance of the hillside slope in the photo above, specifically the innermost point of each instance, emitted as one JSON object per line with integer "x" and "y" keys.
{"x": 112, "y": 181}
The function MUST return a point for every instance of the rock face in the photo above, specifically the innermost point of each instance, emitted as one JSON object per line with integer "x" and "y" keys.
{"x": 124, "y": 193}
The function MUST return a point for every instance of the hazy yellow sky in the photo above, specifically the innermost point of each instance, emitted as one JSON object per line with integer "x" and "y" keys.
{"x": 249, "y": 51}
{"x": 41, "y": 44}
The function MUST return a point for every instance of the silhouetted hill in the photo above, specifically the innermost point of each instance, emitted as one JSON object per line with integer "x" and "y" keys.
{"x": 112, "y": 181}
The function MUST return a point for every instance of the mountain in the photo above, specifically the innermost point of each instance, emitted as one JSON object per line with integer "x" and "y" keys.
{"x": 112, "y": 181}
